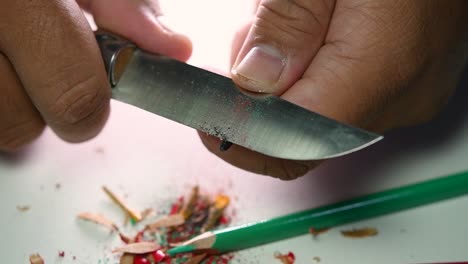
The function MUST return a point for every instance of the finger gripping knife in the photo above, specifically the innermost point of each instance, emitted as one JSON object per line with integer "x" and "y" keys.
{"x": 213, "y": 104}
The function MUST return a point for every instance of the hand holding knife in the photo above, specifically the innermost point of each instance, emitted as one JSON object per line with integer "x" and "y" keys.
{"x": 213, "y": 104}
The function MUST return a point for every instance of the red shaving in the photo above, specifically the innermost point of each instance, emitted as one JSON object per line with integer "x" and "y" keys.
{"x": 224, "y": 220}
{"x": 176, "y": 206}
{"x": 140, "y": 260}
{"x": 139, "y": 236}
{"x": 158, "y": 255}
{"x": 61, "y": 254}
{"x": 289, "y": 258}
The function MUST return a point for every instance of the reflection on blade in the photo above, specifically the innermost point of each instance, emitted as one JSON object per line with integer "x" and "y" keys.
{"x": 213, "y": 104}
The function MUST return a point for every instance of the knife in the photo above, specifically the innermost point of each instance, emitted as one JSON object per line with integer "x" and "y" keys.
{"x": 213, "y": 104}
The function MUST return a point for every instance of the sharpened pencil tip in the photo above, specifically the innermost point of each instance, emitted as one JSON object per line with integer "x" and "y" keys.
{"x": 180, "y": 249}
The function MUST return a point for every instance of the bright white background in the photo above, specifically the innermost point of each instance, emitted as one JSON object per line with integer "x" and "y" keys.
{"x": 153, "y": 160}
{"x": 211, "y": 25}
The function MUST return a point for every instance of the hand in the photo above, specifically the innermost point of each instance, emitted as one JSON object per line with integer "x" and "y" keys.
{"x": 378, "y": 65}
{"x": 51, "y": 71}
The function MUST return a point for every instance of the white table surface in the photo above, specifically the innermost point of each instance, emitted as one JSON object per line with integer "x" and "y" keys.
{"x": 154, "y": 160}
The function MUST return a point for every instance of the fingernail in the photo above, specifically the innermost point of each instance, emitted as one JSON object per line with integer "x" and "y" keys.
{"x": 260, "y": 69}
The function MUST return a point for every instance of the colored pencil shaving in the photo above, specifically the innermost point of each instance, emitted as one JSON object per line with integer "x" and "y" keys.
{"x": 23, "y": 208}
{"x": 36, "y": 259}
{"x": 196, "y": 259}
{"x": 138, "y": 248}
{"x": 167, "y": 221}
{"x": 133, "y": 213}
{"x": 288, "y": 258}
{"x": 316, "y": 232}
{"x": 150, "y": 244}
{"x": 98, "y": 219}
{"x": 147, "y": 213}
{"x": 215, "y": 212}
{"x": 187, "y": 210}
{"x": 360, "y": 233}
{"x": 127, "y": 259}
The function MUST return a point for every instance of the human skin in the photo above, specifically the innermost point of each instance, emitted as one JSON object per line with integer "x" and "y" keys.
{"x": 51, "y": 71}
{"x": 375, "y": 64}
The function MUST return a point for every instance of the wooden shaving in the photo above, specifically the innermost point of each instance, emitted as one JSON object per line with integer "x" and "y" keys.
{"x": 98, "y": 219}
{"x": 221, "y": 202}
{"x": 284, "y": 259}
{"x": 167, "y": 221}
{"x": 215, "y": 212}
{"x": 146, "y": 213}
{"x": 288, "y": 258}
{"x": 138, "y": 248}
{"x": 126, "y": 259}
{"x": 360, "y": 233}
{"x": 125, "y": 238}
{"x": 187, "y": 210}
{"x": 126, "y": 220}
{"x": 196, "y": 259}
{"x": 134, "y": 214}
{"x": 23, "y": 208}
{"x": 317, "y": 259}
{"x": 316, "y": 232}
{"x": 36, "y": 259}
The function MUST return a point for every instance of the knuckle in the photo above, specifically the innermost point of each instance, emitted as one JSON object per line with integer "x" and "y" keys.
{"x": 83, "y": 96}
{"x": 293, "y": 18}
{"x": 17, "y": 135}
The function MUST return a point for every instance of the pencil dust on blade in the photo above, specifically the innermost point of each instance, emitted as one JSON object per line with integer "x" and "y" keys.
{"x": 212, "y": 103}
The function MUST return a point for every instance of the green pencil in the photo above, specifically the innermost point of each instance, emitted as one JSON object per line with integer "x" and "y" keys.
{"x": 262, "y": 232}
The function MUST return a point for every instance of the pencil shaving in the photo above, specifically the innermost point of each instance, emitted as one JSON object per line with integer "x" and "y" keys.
{"x": 289, "y": 258}
{"x": 36, "y": 259}
{"x": 23, "y": 208}
{"x": 360, "y": 233}
{"x": 196, "y": 259}
{"x": 125, "y": 238}
{"x": 127, "y": 259}
{"x": 98, "y": 219}
{"x": 133, "y": 213}
{"x": 187, "y": 210}
{"x": 315, "y": 232}
{"x": 138, "y": 248}
{"x": 215, "y": 212}
{"x": 221, "y": 202}
{"x": 167, "y": 221}
{"x": 147, "y": 213}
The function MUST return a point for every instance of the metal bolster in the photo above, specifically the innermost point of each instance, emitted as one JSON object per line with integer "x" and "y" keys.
{"x": 116, "y": 53}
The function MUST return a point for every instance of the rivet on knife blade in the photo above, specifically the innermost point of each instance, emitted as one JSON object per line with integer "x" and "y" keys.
{"x": 225, "y": 145}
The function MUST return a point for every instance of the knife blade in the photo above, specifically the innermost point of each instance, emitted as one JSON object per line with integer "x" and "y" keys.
{"x": 213, "y": 104}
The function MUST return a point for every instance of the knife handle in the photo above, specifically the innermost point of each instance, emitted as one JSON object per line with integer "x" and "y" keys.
{"x": 116, "y": 53}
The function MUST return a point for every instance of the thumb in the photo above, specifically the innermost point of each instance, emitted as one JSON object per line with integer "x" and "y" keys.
{"x": 281, "y": 43}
